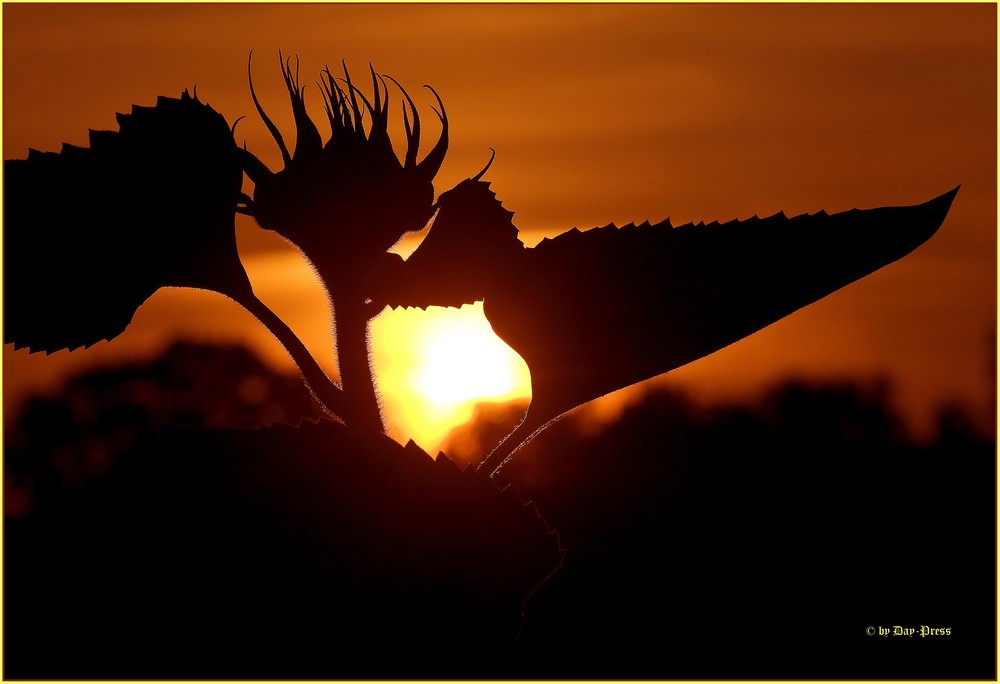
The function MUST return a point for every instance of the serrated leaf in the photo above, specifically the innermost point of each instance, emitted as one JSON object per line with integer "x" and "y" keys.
{"x": 91, "y": 233}
{"x": 472, "y": 235}
{"x": 592, "y": 312}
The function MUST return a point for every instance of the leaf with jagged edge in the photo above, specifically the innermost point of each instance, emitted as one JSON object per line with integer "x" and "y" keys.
{"x": 472, "y": 247}
{"x": 91, "y": 232}
{"x": 595, "y": 311}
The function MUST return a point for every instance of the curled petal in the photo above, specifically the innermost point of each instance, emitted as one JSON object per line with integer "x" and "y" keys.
{"x": 232, "y": 130}
{"x": 275, "y": 133}
{"x": 412, "y": 136}
{"x": 354, "y": 100}
{"x": 432, "y": 162}
{"x": 307, "y": 140}
{"x": 493, "y": 155}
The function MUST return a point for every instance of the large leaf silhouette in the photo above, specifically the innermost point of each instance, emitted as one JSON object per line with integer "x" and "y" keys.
{"x": 90, "y": 233}
{"x": 595, "y": 311}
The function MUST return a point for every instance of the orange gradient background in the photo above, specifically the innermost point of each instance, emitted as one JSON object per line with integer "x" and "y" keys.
{"x": 598, "y": 113}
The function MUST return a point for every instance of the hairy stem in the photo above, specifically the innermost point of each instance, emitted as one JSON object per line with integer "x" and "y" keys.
{"x": 361, "y": 400}
{"x": 321, "y": 386}
{"x": 526, "y": 431}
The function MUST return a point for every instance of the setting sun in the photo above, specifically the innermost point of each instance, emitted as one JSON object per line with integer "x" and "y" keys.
{"x": 463, "y": 363}
{"x": 739, "y": 313}
{"x": 433, "y": 366}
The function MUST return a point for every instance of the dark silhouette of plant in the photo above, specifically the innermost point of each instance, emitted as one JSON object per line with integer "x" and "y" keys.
{"x": 345, "y": 203}
{"x": 753, "y": 540}
{"x": 383, "y": 549}
{"x": 589, "y": 312}
{"x": 595, "y": 311}
{"x": 91, "y": 233}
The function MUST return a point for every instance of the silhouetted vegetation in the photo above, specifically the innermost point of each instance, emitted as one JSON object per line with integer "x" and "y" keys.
{"x": 142, "y": 545}
{"x": 646, "y": 299}
{"x": 62, "y": 442}
{"x": 762, "y": 541}
{"x": 700, "y": 541}
{"x": 182, "y": 520}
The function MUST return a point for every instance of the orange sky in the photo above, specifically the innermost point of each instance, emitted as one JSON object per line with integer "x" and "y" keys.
{"x": 598, "y": 113}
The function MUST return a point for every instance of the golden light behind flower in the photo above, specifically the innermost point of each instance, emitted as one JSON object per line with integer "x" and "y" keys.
{"x": 434, "y": 365}
{"x": 731, "y": 111}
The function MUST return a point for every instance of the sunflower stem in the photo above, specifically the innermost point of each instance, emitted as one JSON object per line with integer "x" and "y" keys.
{"x": 327, "y": 393}
{"x": 361, "y": 404}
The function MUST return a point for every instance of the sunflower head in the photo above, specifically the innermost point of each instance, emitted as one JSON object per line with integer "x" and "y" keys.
{"x": 347, "y": 200}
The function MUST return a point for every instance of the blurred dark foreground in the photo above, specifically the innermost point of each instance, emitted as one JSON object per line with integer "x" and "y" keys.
{"x": 153, "y": 529}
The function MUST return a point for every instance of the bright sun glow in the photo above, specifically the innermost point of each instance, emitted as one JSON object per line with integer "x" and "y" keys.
{"x": 433, "y": 366}
{"x": 461, "y": 364}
